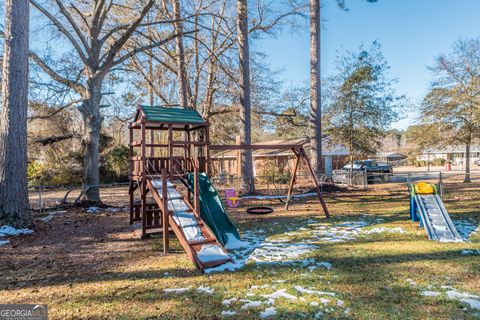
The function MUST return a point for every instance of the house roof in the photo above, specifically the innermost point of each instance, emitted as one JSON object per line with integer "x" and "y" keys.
{"x": 170, "y": 115}
{"x": 452, "y": 149}
{"x": 390, "y": 155}
{"x": 326, "y": 150}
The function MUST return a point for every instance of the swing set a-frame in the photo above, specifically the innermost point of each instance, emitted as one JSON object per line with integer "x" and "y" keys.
{"x": 299, "y": 153}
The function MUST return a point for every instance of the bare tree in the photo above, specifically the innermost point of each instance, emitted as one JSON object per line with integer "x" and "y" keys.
{"x": 315, "y": 89}
{"x": 13, "y": 122}
{"x": 315, "y": 83}
{"x": 246, "y": 161}
{"x": 100, "y": 33}
{"x": 183, "y": 86}
{"x": 451, "y": 108}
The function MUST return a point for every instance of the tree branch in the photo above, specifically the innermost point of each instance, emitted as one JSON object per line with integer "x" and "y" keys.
{"x": 55, "y": 76}
{"x": 75, "y": 27}
{"x": 109, "y": 57}
{"x": 148, "y": 47}
{"x": 51, "y": 114}
{"x": 61, "y": 28}
{"x": 51, "y": 140}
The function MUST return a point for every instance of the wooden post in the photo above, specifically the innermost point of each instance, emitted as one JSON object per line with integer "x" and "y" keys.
{"x": 292, "y": 180}
{"x": 196, "y": 195}
{"x": 130, "y": 152}
{"x": 238, "y": 160}
{"x": 315, "y": 181}
{"x": 144, "y": 209}
{"x": 152, "y": 142}
{"x": 144, "y": 185}
{"x": 130, "y": 170}
{"x": 165, "y": 222}
{"x": 207, "y": 151}
{"x": 170, "y": 151}
{"x": 144, "y": 157}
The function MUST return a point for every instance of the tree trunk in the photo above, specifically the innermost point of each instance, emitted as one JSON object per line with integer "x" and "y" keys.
{"x": 315, "y": 89}
{"x": 246, "y": 161}
{"x": 92, "y": 123}
{"x": 467, "y": 162}
{"x": 181, "y": 68}
{"x": 13, "y": 122}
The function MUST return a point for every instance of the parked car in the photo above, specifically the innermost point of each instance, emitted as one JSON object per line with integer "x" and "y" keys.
{"x": 373, "y": 169}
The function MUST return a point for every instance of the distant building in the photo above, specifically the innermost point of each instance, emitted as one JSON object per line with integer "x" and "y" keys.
{"x": 283, "y": 160}
{"x": 454, "y": 154}
{"x": 391, "y": 157}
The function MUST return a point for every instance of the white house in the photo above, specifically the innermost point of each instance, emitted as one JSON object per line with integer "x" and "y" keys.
{"x": 451, "y": 153}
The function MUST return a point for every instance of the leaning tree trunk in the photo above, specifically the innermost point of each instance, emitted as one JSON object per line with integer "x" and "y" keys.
{"x": 92, "y": 124}
{"x": 467, "y": 162}
{"x": 246, "y": 161}
{"x": 13, "y": 122}
{"x": 315, "y": 89}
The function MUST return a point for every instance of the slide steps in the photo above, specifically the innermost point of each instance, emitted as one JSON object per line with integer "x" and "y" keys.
{"x": 435, "y": 218}
{"x": 196, "y": 238}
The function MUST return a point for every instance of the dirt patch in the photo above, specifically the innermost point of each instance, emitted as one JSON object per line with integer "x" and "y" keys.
{"x": 73, "y": 246}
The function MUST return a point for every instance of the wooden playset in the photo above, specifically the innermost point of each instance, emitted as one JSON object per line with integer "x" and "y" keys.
{"x": 169, "y": 186}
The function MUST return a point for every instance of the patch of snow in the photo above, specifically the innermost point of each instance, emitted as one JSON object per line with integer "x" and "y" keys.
{"x": 314, "y": 304}
{"x": 113, "y": 210}
{"x": 11, "y": 231}
{"x": 278, "y": 281}
{"x": 340, "y": 303}
{"x": 384, "y": 230}
{"x": 411, "y": 282}
{"x": 280, "y": 294}
{"x": 207, "y": 290}
{"x": 466, "y": 228}
{"x": 454, "y": 294}
{"x": 324, "y": 264}
{"x": 250, "y": 304}
{"x": 470, "y": 252}
{"x": 472, "y": 300}
{"x": 233, "y": 243}
{"x": 51, "y": 215}
{"x": 227, "y": 313}
{"x": 474, "y": 304}
{"x": 271, "y": 251}
{"x": 177, "y": 290}
{"x": 240, "y": 257}
{"x": 263, "y": 286}
{"x": 268, "y": 312}
{"x": 228, "y": 302}
{"x": 315, "y": 292}
{"x": 93, "y": 210}
{"x": 430, "y": 293}
{"x": 318, "y": 315}
{"x": 211, "y": 252}
{"x": 2, "y": 242}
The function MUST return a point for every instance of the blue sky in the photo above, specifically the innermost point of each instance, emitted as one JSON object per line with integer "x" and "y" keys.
{"x": 412, "y": 33}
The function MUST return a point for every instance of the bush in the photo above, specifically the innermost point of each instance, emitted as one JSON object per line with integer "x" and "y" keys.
{"x": 271, "y": 171}
{"x": 438, "y": 162}
{"x": 115, "y": 165}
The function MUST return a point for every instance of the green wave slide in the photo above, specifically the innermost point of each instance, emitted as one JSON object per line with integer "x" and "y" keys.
{"x": 212, "y": 210}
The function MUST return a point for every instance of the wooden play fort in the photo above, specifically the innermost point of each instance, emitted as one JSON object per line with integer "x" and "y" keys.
{"x": 170, "y": 188}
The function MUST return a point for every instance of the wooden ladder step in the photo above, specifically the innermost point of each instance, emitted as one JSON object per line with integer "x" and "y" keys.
{"x": 205, "y": 241}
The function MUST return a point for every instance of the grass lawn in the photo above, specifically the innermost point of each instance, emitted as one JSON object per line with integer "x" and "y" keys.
{"x": 367, "y": 262}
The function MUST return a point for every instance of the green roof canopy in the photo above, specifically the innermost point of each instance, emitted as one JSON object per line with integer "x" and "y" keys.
{"x": 171, "y": 115}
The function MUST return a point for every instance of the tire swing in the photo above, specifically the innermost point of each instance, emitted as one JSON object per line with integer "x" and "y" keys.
{"x": 259, "y": 210}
